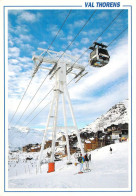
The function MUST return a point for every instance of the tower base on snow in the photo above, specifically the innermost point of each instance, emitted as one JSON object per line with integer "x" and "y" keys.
{"x": 51, "y": 167}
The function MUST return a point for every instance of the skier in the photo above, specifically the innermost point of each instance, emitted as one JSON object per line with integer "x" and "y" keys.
{"x": 86, "y": 161}
{"x": 89, "y": 160}
{"x": 90, "y": 157}
{"x": 110, "y": 150}
{"x": 81, "y": 161}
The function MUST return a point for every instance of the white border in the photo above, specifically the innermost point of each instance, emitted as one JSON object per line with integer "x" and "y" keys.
{"x": 6, "y": 109}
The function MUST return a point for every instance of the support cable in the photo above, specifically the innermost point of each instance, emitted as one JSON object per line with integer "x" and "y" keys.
{"x": 37, "y": 67}
{"x": 109, "y": 24}
{"x": 117, "y": 36}
{"x": 43, "y": 108}
{"x": 34, "y": 74}
{"x": 114, "y": 39}
{"x": 38, "y": 104}
{"x": 77, "y": 35}
{"x": 62, "y": 54}
{"x": 83, "y": 53}
{"x": 58, "y": 31}
{"x": 20, "y": 101}
{"x": 31, "y": 100}
{"x": 110, "y": 42}
{"x": 98, "y": 37}
{"x": 37, "y": 114}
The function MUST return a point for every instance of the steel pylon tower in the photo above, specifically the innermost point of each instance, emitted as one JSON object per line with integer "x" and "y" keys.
{"x": 59, "y": 71}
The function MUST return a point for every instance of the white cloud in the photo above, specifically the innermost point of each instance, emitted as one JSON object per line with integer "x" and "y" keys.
{"x": 113, "y": 95}
{"x": 11, "y": 42}
{"x": 85, "y": 40}
{"x": 43, "y": 43}
{"x": 53, "y": 29}
{"x": 70, "y": 37}
{"x": 25, "y": 37}
{"x": 86, "y": 107}
{"x": 102, "y": 15}
{"x": 13, "y": 61}
{"x": 19, "y": 29}
{"x": 78, "y": 23}
{"x": 25, "y": 59}
{"x": 14, "y": 52}
{"x": 28, "y": 47}
{"x": 28, "y": 17}
{"x": 117, "y": 67}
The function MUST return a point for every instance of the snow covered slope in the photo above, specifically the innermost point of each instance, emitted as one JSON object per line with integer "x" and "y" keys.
{"x": 18, "y": 138}
{"x": 21, "y": 137}
{"x": 116, "y": 115}
{"x": 109, "y": 171}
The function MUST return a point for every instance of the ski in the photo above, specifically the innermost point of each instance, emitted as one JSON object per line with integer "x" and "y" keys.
{"x": 85, "y": 171}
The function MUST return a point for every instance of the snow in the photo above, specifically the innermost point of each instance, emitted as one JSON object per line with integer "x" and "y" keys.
{"x": 19, "y": 137}
{"x": 87, "y": 142}
{"x": 107, "y": 171}
{"x": 118, "y": 114}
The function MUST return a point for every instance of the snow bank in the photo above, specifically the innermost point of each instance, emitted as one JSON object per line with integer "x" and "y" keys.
{"x": 108, "y": 171}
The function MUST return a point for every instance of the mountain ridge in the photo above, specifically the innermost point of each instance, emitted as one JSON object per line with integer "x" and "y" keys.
{"x": 117, "y": 114}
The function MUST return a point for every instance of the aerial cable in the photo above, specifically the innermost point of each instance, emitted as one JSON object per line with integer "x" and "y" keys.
{"x": 109, "y": 24}
{"x": 117, "y": 36}
{"x": 59, "y": 31}
{"x": 97, "y": 37}
{"x": 69, "y": 44}
{"x": 21, "y": 100}
{"x": 37, "y": 69}
{"x": 37, "y": 66}
{"x": 95, "y": 40}
{"x": 81, "y": 30}
{"x": 87, "y": 48}
{"x": 38, "y": 104}
{"x": 37, "y": 114}
{"x": 77, "y": 35}
{"x": 31, "y": 99}
{"x": 113, "y": 40}
{"x": 42, "y": 108}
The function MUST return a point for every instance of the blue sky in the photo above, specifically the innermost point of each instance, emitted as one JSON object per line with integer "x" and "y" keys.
{"x": 94, "y": 94}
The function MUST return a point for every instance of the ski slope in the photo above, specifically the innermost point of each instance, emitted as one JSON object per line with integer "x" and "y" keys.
{"x": 108, "y": 171}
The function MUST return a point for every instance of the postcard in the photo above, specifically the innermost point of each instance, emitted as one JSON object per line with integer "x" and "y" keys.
{"x": 67, "y": 97}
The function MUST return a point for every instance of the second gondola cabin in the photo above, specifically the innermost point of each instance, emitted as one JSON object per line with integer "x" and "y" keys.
{"x": 99, "y": 56}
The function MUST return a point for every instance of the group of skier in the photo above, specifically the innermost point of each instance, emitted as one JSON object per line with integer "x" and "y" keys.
{"x": 84, "y": 160}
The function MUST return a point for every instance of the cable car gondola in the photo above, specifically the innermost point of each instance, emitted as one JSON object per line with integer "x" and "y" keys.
{"x": 99, "y": 56}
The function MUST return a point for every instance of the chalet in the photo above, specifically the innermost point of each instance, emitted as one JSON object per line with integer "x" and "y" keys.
{"x": 73, "y": 149}
{"x": 35, "y": 148}
{"x": 48, "y": 144}
{"x": 27, "y": 148}
{"x": 117, "y": 131}
{"x": 84, "y": 135}
{"x": 124, "y": 130}
{"x": 32, "y": 148}
{"x": 111, "y": 128}
{"x": 72, "y": 140}
{"x": 115, "y": 135}
{"x": 87, "y": 145}
{"x": 72, "y": 144}
{"x": 108, "y": 139}
{"x": 91, "y": 144}
{"x": 99, "y": 134}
